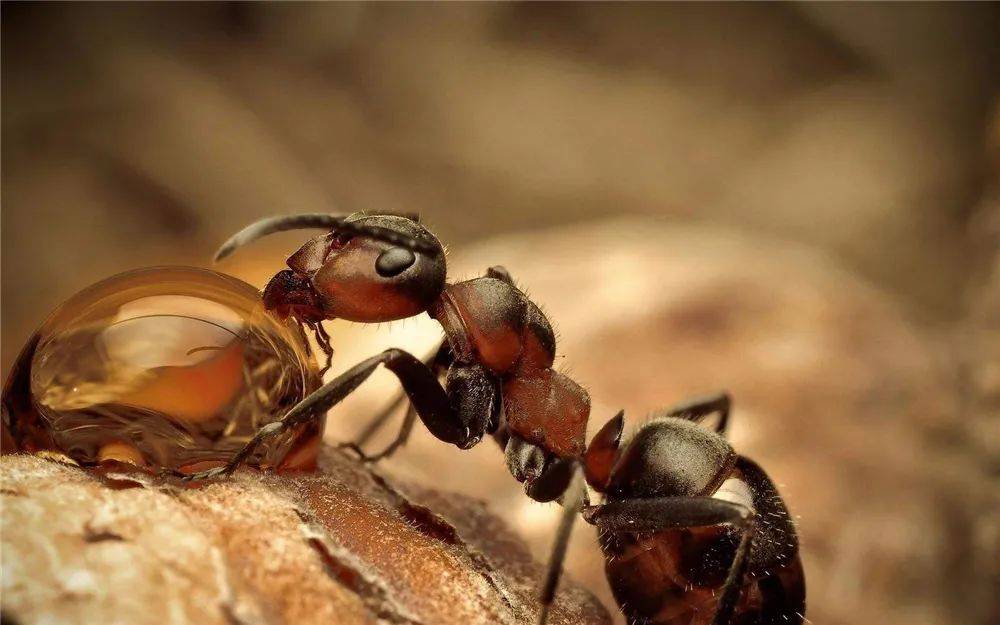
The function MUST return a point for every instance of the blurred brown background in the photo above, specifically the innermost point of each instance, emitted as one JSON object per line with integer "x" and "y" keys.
{"x": 796, "y": 202}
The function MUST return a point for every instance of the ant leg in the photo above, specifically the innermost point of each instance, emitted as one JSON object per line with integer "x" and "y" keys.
{"x": 323, "y": 340}
{"x": 500, "y": 272}
{"x": 376, "y": 424}
{"x": 663, "y": 513}
{"x": 652, "y": 515}
{"x": 573, "y": 499}
{"x": 699, "y": 408}
{"x": 439, "y": 363}
{"x": 397, "y": 443}
{"x": 734, "y": 580}
{"x": 459, "y": 416}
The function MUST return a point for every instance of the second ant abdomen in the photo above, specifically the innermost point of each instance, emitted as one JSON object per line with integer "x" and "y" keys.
{"x": 676, "y": 576}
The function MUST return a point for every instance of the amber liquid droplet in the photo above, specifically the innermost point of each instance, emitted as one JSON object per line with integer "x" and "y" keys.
{"x": 168, "y": 367}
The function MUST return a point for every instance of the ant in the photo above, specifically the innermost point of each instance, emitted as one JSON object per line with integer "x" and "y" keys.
{"x": 684, "y": 517}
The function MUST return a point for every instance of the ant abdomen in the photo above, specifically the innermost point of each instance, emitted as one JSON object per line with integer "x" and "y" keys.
{"x": 671, "y": 457}
{"x": 674, "y": 569}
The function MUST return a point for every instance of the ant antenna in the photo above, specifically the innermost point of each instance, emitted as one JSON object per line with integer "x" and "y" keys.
{"x": 339, "y": 223}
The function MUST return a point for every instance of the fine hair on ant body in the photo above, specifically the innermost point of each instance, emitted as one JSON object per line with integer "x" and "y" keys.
{"x": 691, "y": 531}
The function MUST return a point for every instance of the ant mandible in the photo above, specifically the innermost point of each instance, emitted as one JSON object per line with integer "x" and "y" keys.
{"x": 684, "y": 515}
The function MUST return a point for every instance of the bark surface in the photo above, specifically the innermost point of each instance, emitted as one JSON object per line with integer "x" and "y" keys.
{"x": 344, "y": 545}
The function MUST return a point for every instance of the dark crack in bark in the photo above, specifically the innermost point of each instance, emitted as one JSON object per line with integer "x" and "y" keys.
{"x": 429, "y": 523}
{"x": 436, "y": 526}
{"x": 372, "y": 594}
{"x": 90, "y": 535}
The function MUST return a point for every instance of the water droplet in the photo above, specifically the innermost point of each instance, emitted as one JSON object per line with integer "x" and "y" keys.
{"x": 167, "y": 367}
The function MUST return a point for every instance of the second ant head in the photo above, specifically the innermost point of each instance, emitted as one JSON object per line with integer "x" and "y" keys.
{"x": 367, "y": 268}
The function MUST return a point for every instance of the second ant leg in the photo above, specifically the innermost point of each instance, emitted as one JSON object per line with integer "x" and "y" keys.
{"x": 402, "y": 437}
{"x": 323, "y": 340}
{"x": 439, "y": 363}
{"x": 699, "y": 408}
{"x": 573, "y": 500}
{"x": 500, "y": 273}
{"x": 374, "y": 425}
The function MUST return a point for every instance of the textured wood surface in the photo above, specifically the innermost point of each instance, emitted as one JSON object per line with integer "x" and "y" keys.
{"x": 342, "y": 546}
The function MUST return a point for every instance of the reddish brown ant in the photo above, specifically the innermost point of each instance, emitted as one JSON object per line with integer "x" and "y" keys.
{"x": 684, "y": 516}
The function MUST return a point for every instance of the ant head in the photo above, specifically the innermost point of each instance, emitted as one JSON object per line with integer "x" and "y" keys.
{"x": 367, "y": 268}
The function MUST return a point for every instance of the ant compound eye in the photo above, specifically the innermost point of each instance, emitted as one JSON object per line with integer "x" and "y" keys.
{"x": 394, "y": 261}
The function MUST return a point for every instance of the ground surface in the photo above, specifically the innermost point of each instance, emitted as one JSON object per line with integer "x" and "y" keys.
{"x": 341, "y": 546}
